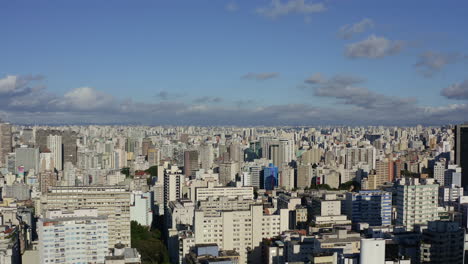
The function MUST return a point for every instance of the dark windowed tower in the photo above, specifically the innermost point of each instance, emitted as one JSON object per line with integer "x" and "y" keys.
{"x": 461, "y": 151}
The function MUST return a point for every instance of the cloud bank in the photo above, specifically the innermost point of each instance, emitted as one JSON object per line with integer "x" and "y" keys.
{"x": 24, "y": 100}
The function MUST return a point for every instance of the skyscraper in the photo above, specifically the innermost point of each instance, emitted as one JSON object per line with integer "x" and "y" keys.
{"x": 191, "y": 163}
{"x": 270, "y": 177}
{"x": 28, "y": 158}
{"x": 68, "y": 140}
{"x": 54, "y": 143}
{"x": 461, "y": 151}
{"x": 5, "y": 142}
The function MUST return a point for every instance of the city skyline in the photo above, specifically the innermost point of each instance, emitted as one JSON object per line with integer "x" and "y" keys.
{"x": 289, "y": 62}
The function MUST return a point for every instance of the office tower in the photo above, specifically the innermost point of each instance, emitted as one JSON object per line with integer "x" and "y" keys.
{"x": 54, "y": 144}
{"x": 28, "y": 158}
{"x": 416, "y": 201}
{"x": 235, "y": 153}
{"x": 286, "y": 177}
{"x": 255, "y": 174}
{"x": 370, "y": 206}
{"x": 372, "y": 251}
{"x": 206, "y": 156}
{"x": 227, "y": 172}
{"x": 110, "y": 201}
{"x": 270, "y": 177}
{"x": 304, "y": 176}
{"x": 46, "y": 162}
{"x": 69, "y": 138}
{"x": 153, "y": 157}
{"x": 145, "y": 146}
{"x": 442, "y": 242}
{"x": 5, "y": 142}
{"x": 461, "y": 151}
{"x": 191, "y": 163}
{"x": 80, "y": 236}
{"x": 274, "y": 154}
{"x": 286, "y": 151}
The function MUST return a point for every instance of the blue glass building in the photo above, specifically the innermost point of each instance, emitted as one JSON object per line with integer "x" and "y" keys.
{"x": 270, "y": 177}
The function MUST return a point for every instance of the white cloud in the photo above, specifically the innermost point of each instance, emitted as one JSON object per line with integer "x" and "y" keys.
{"x": 430, "y": 62}
{"x": 8, "y": 84}
{"x": 278, "y": 8}
{"x": 87, "y": 99}
{"x": 458, "y": 91}
{"x": 373, "y": 47}
{"x": 350, "y": 30}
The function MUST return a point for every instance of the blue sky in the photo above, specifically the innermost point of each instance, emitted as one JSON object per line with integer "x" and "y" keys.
{"x": 203, "y": 61}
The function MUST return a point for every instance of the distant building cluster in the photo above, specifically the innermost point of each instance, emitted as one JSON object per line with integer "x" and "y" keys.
{"x": 233, "y": 195}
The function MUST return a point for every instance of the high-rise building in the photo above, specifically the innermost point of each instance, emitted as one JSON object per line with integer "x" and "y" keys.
{"x": 461, "y": 151}
{"x": 73, "y": 237}
{"x": 47, "y": 179}
{"x": 54, "y": 144}
{"x": 370, "y": 206}
{"x": 110, "y": 201}
{"x": 270, "y": 177}
{"x": 274, "y": 154}
{"x": 227, "y": 172}
{"x": 145, "y": 146}
{"x": 439, "y": 172}
{"x": 239, "y": 230}
{"x": 191, "y": 163}
{"x": 416, "y": 201}
{"x": 141, "y": 209}
{"x": 442, "y": 242}
{"x": 304, "y": 175}
{"x": 206, "y": 156}
{"x": 153, "y": 157}
{"x": 69, "y": 139}
{"x": 173, "y": 182}
{"x": 255, "y": 174}
{"x": 286, "y": 151}
{"x": 5, "y": 142}
{"x": 28, "y": 158}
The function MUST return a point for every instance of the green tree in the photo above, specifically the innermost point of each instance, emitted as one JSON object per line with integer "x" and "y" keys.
{"x": 125, "y": 171}
{"x": 152, "y": 171}
{"x": 148, "y": 243}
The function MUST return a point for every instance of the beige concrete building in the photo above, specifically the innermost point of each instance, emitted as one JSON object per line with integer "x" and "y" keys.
{"x": 110, "y": 201}
{"x": 239, "y": 230}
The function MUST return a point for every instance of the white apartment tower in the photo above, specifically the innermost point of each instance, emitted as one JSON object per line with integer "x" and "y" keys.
{"x": 79, "y": 236}
{"x": 54, "y": 144}
{"x": 417, "y": 201}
